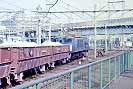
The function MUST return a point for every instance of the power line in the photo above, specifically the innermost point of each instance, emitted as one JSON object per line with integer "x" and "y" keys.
{"x": 74, "y": 7}
{"x": 73, "y": 13}
{"x": 116, "y": 1}
{"x": 84, "y": 11}
{"x": 52, "y": 5}
{"x": 8, "y": 11}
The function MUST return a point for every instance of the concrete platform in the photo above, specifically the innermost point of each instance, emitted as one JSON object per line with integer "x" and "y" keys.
{"x": 125, "y": 81}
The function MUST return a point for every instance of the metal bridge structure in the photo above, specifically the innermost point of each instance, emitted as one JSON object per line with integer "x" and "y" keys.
{"x": 122, "y": 26}
{"x": 114, "y": 26}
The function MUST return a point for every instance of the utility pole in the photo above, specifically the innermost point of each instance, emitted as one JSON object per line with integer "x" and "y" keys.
{"x": 106, "y": 39}
{"x": 50, "y": 28}
{"x": 122, "y": 16}
{"x": 23, "y": 27}
{"x": 109, "y": 23}
{"x": 49, "y": 23}
{"x": 122, "y": 4}
{"x": 95, "y": 33}
{"x": 39, "y": 27}
{"x": 9, "y": 29}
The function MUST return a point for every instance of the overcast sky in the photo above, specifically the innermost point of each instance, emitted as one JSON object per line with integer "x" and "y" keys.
{"x": 63, "y": 5}
{"x": 82, "y": 4}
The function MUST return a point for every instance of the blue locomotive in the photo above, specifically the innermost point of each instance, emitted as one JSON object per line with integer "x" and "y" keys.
{"x": 78, "y": 46}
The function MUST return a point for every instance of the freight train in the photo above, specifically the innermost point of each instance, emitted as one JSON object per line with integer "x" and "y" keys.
{"x": 19, "y": 59}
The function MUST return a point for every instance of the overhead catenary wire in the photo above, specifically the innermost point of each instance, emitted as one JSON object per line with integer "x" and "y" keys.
{"x": 84, "y": 11}
{"x": 52, "y": 5}
{"x": 73, "y": 13}
{"x": 67, "y": 9}
{"x": 75, "y": 7}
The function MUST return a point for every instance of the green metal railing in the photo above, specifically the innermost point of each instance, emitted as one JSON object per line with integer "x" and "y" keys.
{"x": 96, "y": 75}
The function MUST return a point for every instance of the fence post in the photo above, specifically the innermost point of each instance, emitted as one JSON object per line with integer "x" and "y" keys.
{"x": 123, "y": 64}
{"x": 119, "y": 60}
{"x": 38, "y": 86}
{"x": 71, "y": 80}
{"x": 109, "y": 71}
{"x": 128, "y": 59}
{"x": 131, "y": 55}
{"x": 115, "y": 58}
{"x": 89, "y": 75}
{"x": 101, "y": 76}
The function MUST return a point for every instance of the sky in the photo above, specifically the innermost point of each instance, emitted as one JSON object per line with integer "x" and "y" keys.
{"x": 81, "y": 4}
{"x": 65, "y": 5}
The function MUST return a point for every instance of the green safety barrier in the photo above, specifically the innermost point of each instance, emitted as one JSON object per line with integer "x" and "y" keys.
{"x": 95, "y": 75}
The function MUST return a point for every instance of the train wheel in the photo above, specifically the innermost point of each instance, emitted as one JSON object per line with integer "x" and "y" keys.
{"x": 13, "y": 81}
{"x": 43, "y": 68}
{"x": 4, "y": 83}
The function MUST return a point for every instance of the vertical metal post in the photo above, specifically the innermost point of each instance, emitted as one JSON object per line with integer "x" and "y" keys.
{"x": 123, "y": 64}
{"x": 109, "y": 22}
{"x": 120, "y": 63}
{"x": 23, "y": 28}
{"x": 127, "y": 60}
{"x": 109, "y": 70}
{"x": 122, "y": 16}
{"x": 131, "y": 55}
{"x": 115, "y": 67}
{"x": 38, "y": 86}
{"x": 119, "y": 59}
{"x": 106, "y": 39}
{"x": 89, "y": 75}
{"x": 40, "y": 33}
{"x": 3, "y": 32}
{"x": 130, "y": 59}
{"x": 9, "y": 33}
{"x": 95, "y": 32}
{"x": 39, "y": 27}
{"x": 50, "y": 32}
{"x": 101, "y": 76}
{"x": 71, "y": 80}
{"x": 123, "y": 8}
